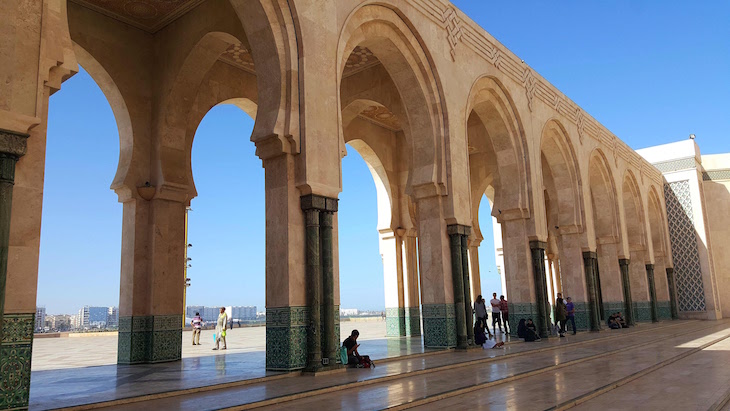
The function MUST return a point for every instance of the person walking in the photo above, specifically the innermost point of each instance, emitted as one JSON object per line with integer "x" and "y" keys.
{"x": 480, "y": 309}
{"x": 220, "y": 329}
{"x": 496, "y": 313}
{"x": 197, "y": 324}
{"x": 570, "y": 309}
{"x": 561, "y": 314}
{"x": 504, "y": 309}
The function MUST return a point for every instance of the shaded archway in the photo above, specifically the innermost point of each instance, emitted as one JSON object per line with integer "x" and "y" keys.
{"x": 636, "y": 238}
{"x": 378, "y": 46}
{"x": 657, "y": 224}
{"x": 604, "y": 214}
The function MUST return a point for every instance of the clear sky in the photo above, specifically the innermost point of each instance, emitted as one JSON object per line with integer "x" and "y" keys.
{"x": 651, "y": 71}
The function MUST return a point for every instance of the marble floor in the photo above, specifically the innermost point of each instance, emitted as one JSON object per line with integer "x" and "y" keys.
{"x": 542, "y": 375}
{"x": 70, "y": 372}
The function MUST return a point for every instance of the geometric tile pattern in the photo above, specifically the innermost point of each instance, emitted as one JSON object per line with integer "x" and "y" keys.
{"x": 614, "y": 307}
{"x": 664, "y": 310}
{"x": 148, "y": 15}
{"x": 642, "y": 311}
{"x": 237, "y": 55}
{"x": 518, "y": 311}
{"x": 395, "y": 322}
{"x": 15, "y": 356}
{"x": 286, "y": 338}
{"x": 360, "y": 59}
{"x": 676, "y": 165}
{"x": 716, "y": 175}
{"x": 582, "y": 316}
{"x": 687, "y": 269}
{"x": 439, "y": 325}
{"x": 413, "y": 321}
{"x": 145, "y": 339}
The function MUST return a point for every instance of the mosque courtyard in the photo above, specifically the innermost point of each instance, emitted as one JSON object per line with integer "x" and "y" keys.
{"x": 667, "y": 365}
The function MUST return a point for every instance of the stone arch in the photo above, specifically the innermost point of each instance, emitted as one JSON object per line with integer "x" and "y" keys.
{"x": 603, "y": 194}
{"x": 391, "y": 38}
{"x": 657, "y": 223}
{"x": 501, "y": 145}
{"x": 123, "y": 181}
{"x": 656, "y": 219}
{"x": 562, "y": 177}
{"x": 633, "y": 212}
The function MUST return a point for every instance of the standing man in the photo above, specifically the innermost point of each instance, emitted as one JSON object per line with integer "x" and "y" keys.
{"x": 504, "y": 308}
{"x": 561, "y": 314}
{"x": 197, "y": 324}
{"x": 571, "y": 312}
{"x": 480, "y": 309}
{"x": 496, "y": 313}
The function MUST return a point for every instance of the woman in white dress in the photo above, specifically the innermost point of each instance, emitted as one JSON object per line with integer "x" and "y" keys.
{"x": 220, "y": 328}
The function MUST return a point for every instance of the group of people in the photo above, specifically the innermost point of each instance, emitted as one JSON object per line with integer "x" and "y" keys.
{"x": 564, "y": 313}
{"x": 500, "y": 313}
{"x": 616, "y": 321}
{"x": 220, "y": 329}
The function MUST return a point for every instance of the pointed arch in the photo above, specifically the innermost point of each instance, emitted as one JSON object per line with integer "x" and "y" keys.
{"x": 391, "y": 38}
{"x": 562, "y": 177}
{"x": 498, "y": 147}
{"x": 603, "y": 198}
{"x": 633, "y": 212}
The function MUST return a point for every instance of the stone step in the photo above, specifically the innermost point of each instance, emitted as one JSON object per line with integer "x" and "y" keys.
{"x": 276, "y": 392}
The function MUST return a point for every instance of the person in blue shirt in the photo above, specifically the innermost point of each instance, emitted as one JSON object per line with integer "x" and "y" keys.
{"x": 570, "y": 307}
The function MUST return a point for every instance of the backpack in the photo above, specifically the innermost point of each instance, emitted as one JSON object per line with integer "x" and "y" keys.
{"x": 365, "y": 362}
{"x": 342, "y": 354}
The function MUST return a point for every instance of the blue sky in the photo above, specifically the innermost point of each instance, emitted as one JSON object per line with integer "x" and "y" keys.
{"x": 652, "y": 72}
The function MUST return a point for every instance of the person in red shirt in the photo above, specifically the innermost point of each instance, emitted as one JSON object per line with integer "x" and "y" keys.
{"x": 504, "y": 308}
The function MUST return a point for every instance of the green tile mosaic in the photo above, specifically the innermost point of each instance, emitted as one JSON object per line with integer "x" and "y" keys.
{"x": 439, "y": 325}
{"x": 518, "y": 311}
{"x": 149, "y": 339}
{"x": 413, "y": 321}
{"x": 395, "y": 322}
{"x": 15, "y": 357}
{"x": 286, "y": 337}
{"x": 665, "y": 310}
{"x": 642, "y": 311}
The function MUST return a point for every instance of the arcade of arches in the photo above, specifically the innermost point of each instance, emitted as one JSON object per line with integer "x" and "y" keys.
{"x": 441, "y": 112}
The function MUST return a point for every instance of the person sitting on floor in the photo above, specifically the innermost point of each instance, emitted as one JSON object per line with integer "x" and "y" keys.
{"x": 613, "y": 323}
{"x": 621, "y": 320}
{"x": 480, "y": 337}
{"x": 492, "y": 343}
{"x": 353, "y": 356}
{"x": 525, "y": 331}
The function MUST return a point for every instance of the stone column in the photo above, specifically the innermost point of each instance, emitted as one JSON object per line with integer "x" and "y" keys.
{"x": 672, "y": 293}
{"x": 328, "y": 287}
{"x": 541, "y": 297}
{"x": 590, "y": 263}
{"x": 468, "y": 311}
{"x": 626, "y": 281}
{"x": 455, "y": 233}
{"x": 12, "y": 147}
{"x": 519, "y": 282}
{"x": 413, "y": 314}
{"x": 572, "y": 275}
{"x": 476, "y": 281}
{"x": 652, "y": 293}
{"x": 319, "y": 212}
{"x": 391, "y": 253}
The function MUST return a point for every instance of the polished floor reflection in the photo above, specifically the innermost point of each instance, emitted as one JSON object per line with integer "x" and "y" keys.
{"x": 644, "y": 367}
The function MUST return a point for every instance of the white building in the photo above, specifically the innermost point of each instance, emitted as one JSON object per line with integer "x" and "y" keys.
{"x": 40, "y": 318}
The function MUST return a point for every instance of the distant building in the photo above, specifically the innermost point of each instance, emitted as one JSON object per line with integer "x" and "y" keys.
{"x": 40, "y": 318}
{"x": 210, "y": 314}
{"x": 93, "y": 317}
{"x": 61, "y": 322}
{"x": 243, "y": 313}
{"x": 348, "y": 312}
{"x": 112, "y": 317}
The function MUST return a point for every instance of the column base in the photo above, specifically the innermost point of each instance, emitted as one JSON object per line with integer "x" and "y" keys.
{"x": 15, "y": 356}
{"x": 286, "y": 338}
{"x": 413, "y": 322}
{"x": 439, "y": 325}
{"x": 664, "y": 309}
{"x": 149, "y": 339}
{"x": 642, "y": 311}
{"x": 395, "y": 322}
{"x": 517, "y": 311}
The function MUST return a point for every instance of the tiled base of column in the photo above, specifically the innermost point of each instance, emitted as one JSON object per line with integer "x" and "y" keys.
{"x": 642, "y": 311}
{"x": 518, "y": 311}
{"x": 413, "y": 322}
{"x": 15, "y": 356}
{"x": 149, "y": 339}
{"x": 439, "y": 325}
{"x": 286, "y": 337}
{"x": 664, "y": 310}
{"x": 395, "y": 322}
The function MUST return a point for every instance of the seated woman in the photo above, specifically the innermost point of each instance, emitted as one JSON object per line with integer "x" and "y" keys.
{"x": 480, "y": 337}
{"x": 613, "y": 322}
{"x": 527, "y": 330}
